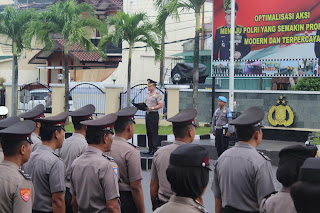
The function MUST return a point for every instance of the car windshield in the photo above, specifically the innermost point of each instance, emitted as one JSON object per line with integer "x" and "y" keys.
{"x": 38, "y": 95}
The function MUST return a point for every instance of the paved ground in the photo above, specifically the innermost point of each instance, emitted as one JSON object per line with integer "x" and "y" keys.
{"x": 208, "y": 196}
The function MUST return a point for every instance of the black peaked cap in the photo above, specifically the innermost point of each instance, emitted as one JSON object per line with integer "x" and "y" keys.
{"x": 184, "y": 117}
{"x": 83, "y": 112}
{"x": 35, "y": 112}
{"x": 150, "y": 81}
{"x": 190, "y": 155}
{"x": 105, "y": 121}
{"x": 53, "y": 120}
{"x": 249, "y": 117}
{"x": 310, "y": 170}
{"x": 19, "y": 129}
{"x": 9, "y": 122}
{"x": 127, "y": 112}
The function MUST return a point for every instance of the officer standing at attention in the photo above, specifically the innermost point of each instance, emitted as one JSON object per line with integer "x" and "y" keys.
{"x": 94, "y": 176}
{"x": 222, "y": 37}
{"x": 75, "y": 145}
{"x": 188, "y": 174}
{"x": 46, "y": 168}
{"x": 4, "y": 123}
{"x": 291, "y": 159}
{"x": 221, "y": 127}
{"x": 243, "y": 175}
{"x": 184, "y": 131}
{"x": 128, "y": 159}
{"x": 35, "y": 112}
{"x": 154, "y": 101}
{"x": 17, "y": 193}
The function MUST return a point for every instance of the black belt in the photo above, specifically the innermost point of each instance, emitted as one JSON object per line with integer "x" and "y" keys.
{"x": 230, "y": 209}
{"x": 151, "y": 112}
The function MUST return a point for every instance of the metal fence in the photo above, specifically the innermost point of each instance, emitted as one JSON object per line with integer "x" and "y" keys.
{"x": 88, "y": 93}
{"x": 138, "y": 94}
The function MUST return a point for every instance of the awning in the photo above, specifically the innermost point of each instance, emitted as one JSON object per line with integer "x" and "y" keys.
{"x": 190, "y": 53}
{"x": 2, "y": 57}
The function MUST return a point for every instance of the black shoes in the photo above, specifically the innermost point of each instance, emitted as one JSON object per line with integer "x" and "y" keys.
{"x": 150, "y": 152}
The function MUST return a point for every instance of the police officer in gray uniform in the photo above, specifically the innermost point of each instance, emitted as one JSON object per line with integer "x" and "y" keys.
{"x": 128, "y": 159}
{"x": 46, "y": 168}
{"x": 291, "y": 159}
{"x": 4, "y": 124}
{"x": 221, "y": 127}
{"x": 35, "y": 112}
{"x": 243, "y": 175}
{"x": 75, "y": 145}
{"x": 184, "y": 131}
{"x": 17, "y": 193}
{"x": 154, "y": 101}
{"x": 188, "y": 174}
{"x": 94, "y": 175}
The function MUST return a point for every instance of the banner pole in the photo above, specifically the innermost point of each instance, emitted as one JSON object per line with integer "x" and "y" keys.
{"x": 231, "y": 63}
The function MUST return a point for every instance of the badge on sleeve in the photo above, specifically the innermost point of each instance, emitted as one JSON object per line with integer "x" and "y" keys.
{"x": 25, "y": 194}
{"x": 115, "y": 169}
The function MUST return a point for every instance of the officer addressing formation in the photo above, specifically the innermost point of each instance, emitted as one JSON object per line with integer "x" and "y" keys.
{"x": 221, "y": 127}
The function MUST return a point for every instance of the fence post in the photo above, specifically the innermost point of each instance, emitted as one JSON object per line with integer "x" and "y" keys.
{"x": 173, "y": 97}
{"x": 113, "y": 97}
{"x": 8, "y": 94}
{"x": 57, "y": 98}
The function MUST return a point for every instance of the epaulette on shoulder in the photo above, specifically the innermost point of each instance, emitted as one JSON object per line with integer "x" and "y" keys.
{"x": 108, "y": 157}
{"x": 264, "y": 156}
{"x": 137, "y": 147}
{"x": 57, "y": 155}
{"x": 263, "y": 202}
{"x": 25, "y": 175}
{"x": 200, "y": 208}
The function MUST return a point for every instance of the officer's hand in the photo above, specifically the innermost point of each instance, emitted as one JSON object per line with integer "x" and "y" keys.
{"x": 228, "y": 134}
{"x": 149, "y": 108}
{"x": 237, "y": 54}
{"x": 214, "y": 133}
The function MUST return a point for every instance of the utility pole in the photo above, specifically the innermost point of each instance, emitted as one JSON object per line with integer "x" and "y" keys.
{"x": 231, "y": 64}
{"x": 163, "y": 53}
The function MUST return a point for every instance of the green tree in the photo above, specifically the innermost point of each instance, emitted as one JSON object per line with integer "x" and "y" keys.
{"x": 132, "y": 29}
{"x": 173, "y": 8}
{"x": 307, "y": 84}
{"x": 72, "y": 22}
{"x": 13, "y": 24}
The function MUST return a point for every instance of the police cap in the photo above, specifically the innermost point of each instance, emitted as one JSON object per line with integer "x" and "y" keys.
{"x": 127, "y": 113}
{"x": 19, "y": 131}
{"x": 151, "y": 82}
{"x": 222, "y": 98}
{"x": 190, "y": 155}
{"x": 9, "y": 122}
{"x": 291, "y": 159}
{"x": 84, "y": 113}
{"x": 249, "y": 117}
{"x": 104, "y": 123}
{"x": 310, "y": 170}
{"x": 53, "y": 121}
{"x": 183, "y": 118}
{"x": 35, "y": 112}
{"x": 227, "y": 7}
{"x": 3, "y": 110}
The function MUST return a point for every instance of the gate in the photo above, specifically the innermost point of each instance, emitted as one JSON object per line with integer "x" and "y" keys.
{"x": 88, "y": 93}
{"x": 33, "y": 94}
{"x": 138, "y": 94}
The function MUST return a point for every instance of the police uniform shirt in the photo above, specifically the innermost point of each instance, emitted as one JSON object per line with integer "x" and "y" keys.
{"x": 36, "y": 140}
{"x": 1, "y": 155}
{"x": 153, "y": 99}
{"x": 17, "y": 193}
{"x": 221, "y": 118}
{"x": 222, "y": 43}
{"x": 160, "y": 163}
{"x": 280, "y": 202}
{"x": 94, "y": 180}
{"x": 48, "y": 173}
{"x": 72, "y": 148}
{"x": 128, "y": 159}
{"x": 242, "y": 178}
{"x": 179, "y": 204}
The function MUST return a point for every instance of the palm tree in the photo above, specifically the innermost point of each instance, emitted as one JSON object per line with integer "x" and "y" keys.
{"x": 132, "y": 29}
{"x": 71, "y": 22}
{"x": 173, "y": 8}
{"x": 13, "y": 24}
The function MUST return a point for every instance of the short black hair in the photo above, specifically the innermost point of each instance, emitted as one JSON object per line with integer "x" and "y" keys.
{"x": 187, "y": 181}
{"x": 305, "y": 196}
{"x": 120, "y": 125}
{"x": 94, "y": 136}
{"x": 181, "y": 131}
{"x": 76, "y": 124}
{"x": 245, "y": 133}
{"x": 9, "y": 147}
{"x": 46, "y": 132}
